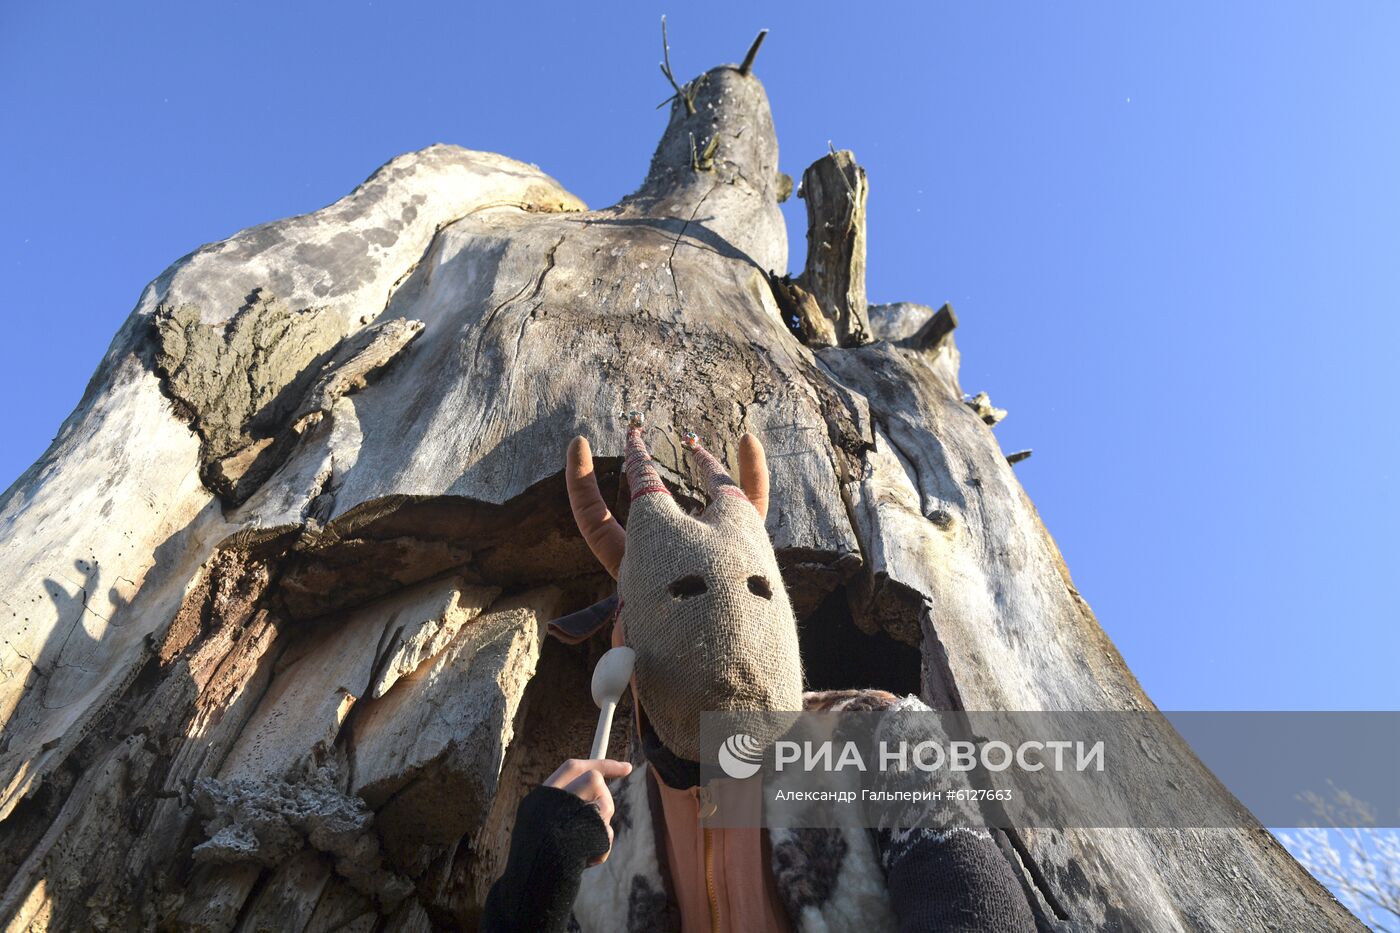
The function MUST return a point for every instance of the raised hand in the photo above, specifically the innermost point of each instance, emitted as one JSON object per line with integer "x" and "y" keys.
{"x": 587, "y": 779}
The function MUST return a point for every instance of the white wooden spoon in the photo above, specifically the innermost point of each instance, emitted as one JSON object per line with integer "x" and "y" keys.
{"x": 610, "y": 678}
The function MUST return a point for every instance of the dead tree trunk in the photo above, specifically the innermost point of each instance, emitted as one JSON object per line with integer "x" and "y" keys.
{"x": 272, "y": 600}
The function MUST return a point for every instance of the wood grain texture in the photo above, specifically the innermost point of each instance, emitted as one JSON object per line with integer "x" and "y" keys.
{"x": 836, "y": 190}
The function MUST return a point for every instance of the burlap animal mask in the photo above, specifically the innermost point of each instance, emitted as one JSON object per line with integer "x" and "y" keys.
{"x": 703, "y": 603}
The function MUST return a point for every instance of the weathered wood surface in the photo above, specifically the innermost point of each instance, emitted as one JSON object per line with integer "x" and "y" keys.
{"x": 279, "y": 583}
{"x": 835, "y": 189}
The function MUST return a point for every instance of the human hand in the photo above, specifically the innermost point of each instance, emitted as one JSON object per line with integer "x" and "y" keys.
{"x": 587, "y": 779}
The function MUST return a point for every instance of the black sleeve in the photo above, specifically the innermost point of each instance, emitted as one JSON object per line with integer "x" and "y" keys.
{"x": 943, "y": 869}
{"x": 957, "y": 882}
{"x": 555, "y": 836}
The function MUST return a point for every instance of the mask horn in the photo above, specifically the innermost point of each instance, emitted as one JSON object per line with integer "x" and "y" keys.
{"x": 753, "y": 468}
{"x": 604, "y": 536}
{"x": 753, "y": 472}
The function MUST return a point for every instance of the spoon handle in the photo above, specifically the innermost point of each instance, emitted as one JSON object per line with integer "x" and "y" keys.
{"x": 600, "y": 736}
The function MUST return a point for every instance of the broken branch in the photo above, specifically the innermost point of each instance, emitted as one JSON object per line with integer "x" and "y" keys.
{"x": 670, "y": 76}
{"x": 747, "y": 66}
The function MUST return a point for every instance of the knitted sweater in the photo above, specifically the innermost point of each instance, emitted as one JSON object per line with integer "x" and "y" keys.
{"x": 849, "y": 878}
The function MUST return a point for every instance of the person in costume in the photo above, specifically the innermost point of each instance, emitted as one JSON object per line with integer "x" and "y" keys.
{"x": 702, "y": 603}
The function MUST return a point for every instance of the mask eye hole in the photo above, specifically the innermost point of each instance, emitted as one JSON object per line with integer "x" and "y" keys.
{"x": 686, "y": 587}
{"x": 759, "y": 587}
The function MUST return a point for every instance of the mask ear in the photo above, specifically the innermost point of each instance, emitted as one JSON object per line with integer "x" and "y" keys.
{"x": 579, "y": 626}
{"x": 753, "y": 472}
{"x": 651, "y": 501}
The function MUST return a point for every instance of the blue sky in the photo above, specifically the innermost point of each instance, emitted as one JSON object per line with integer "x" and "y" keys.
{"x": 1171, "y": 233}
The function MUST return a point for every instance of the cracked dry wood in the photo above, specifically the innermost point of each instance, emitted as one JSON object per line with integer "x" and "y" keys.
{"x": 304, "y": 606}
{"x": 427, "y": 755}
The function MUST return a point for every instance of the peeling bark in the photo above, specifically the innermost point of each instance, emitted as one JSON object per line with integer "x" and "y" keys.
{"x": 273, "y": 599}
